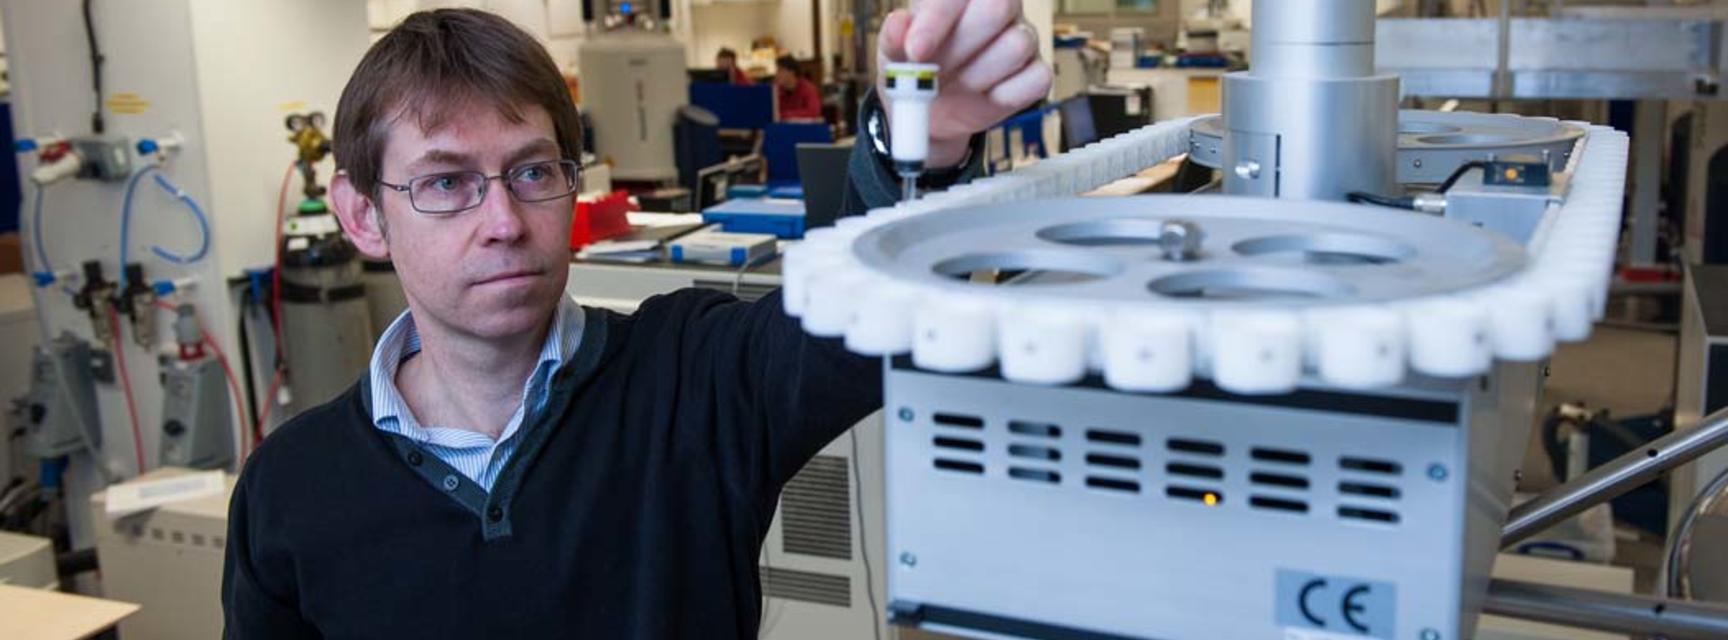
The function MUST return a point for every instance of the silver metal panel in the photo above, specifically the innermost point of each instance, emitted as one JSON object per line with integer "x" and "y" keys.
{"x": 1402, "y": 44}
{"x": 1704, "y": 287}
{"x": 1547, "y": 45}
{"x": 1547, "y": 58}
{"x": 197, "y": 423}
{"x": 1009, "y": 543}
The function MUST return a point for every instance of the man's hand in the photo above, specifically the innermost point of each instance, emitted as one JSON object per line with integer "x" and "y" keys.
{"x": 989, "y": 60}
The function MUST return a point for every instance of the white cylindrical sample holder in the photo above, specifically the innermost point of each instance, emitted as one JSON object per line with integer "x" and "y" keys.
{"x": 1256, "y": 352}
{"x": 954, "y": 335}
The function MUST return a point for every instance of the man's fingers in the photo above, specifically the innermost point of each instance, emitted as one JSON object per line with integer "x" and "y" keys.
{"x": 1023, "y": 88}
{"x": 1004, "y": 57}
{"x": 891, "y": 44}
{"x": 981, "y": 23}
{"x": 932, "y": 21}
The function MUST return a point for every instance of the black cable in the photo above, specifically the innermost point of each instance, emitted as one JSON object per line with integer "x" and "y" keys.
{"x": 863, "y": 541}
{"x": 251, "y": 399}
{"x": 1405, "y": 202}
{"x": 96, "y": 124}
{"x": 1459, "y": 173}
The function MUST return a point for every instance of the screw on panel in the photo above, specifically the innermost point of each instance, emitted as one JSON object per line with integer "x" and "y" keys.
{"x": 908, "y": 560}
{"x": 905, "y": 414}
{"x": 1430, "y": 634}
{"x": 1437, "y": 472}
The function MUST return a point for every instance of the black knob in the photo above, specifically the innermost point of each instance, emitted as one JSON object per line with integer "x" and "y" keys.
{"x": 37, "y": 413}
{"x": 174, "y": 428}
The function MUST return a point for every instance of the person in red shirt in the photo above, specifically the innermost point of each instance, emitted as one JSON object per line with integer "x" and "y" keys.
{"x": 799, "y": 99}
{"x": 727, "y": 60}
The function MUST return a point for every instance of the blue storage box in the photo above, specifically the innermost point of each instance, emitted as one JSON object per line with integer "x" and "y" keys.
{"x": 794, "y": 192}
{"x": 781, "y": 217}
{"x": 738, "y": 191}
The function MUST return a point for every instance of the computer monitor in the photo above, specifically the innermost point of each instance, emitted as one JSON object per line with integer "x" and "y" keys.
{"x": 1077, "y": 125}
{"x": 1118, "y": 110}
{"x": 822, "y": 172}
{"x": 713, "y": 182}
{"x": 709, "y": 75}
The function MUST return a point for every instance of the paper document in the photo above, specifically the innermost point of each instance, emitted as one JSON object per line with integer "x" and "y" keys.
{"x": 137, "y": 496}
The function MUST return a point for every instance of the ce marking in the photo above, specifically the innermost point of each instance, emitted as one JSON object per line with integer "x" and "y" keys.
{"x": 1350, "y": 608}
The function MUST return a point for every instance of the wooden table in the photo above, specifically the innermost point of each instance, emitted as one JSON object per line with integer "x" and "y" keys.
{"x": 35, "y": 614}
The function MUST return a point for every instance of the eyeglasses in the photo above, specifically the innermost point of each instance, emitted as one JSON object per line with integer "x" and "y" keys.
{"x": 442, "y": 194}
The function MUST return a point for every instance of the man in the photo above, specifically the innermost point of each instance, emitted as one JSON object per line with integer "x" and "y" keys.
{"x": 797, "y": 97}
{"x": 517, "y": 466}
{"x": 727, "y": 60}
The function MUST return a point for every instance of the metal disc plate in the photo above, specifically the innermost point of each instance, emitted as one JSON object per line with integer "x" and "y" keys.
{"x": 1254, "y": 252}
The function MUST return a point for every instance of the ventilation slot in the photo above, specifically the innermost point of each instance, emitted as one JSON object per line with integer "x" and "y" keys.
{"x": 963, "y": 444}
{"x": 1105, "y": 436}
{"x": 1112, "y": 484}
{"x": 1281, "y": 456}
{"x": 807, "y": 586}
{"x": 1206, "y": 496}
{"x": 1279, "y": 480}
{"x": 1370, "y": 465}
{"x": 961, "y": 466}
{"x": 745, "y": 291}
{"x": 816, "y": 510}
{"x": 1194, "y": 470}
{"x": 1371, "y": 515}
{"x": 1106, "y": 460}
{"x": 1035, "y": 453}
{"x": 1034, "y": 429}
{"x": 1278, "y": 504}
{"x": 1196, "y": 447}
{"x": 958, "y": 420}
{"x": 1370, "y": 490}
{"x": 1035, "y": 475}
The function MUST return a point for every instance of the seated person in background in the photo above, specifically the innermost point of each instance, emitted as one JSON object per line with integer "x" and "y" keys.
{"x": 799, "y": 99}
{"x": 727, "y": 60}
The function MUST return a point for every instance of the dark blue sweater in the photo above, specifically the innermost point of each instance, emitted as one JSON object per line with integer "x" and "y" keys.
{"x": 635, "y": 510}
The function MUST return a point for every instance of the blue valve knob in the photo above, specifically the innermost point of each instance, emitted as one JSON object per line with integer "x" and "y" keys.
{"x": 148, "y": 146}
{"x": 163, "y": 288}
{"x": 24, "y": 145}
{"x": 43, "y": 278}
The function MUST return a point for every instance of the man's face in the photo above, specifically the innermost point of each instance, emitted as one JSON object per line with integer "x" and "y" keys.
{"x": 497, "y": 269}
{"x": 786, "y": 77}
{"x": 725, "y": 63}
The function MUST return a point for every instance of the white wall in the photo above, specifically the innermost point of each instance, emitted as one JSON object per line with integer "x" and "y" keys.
{"x": 704, "y": 26}
{"x": 727, "y": 24}
{"x": 555, "y": 23}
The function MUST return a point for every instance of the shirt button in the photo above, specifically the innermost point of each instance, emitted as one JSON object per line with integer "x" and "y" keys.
{"x": 494, "y": 514}
{"x": 414, "y": 458}
{"x": 450, "y": 483}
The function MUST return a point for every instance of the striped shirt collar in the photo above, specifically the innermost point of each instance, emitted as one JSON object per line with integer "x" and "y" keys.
{"x": 390, "y": 411}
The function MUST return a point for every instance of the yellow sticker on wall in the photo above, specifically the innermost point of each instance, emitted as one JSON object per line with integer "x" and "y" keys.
{"x": 127, "y": 102}
{"x": 296, "y": 105}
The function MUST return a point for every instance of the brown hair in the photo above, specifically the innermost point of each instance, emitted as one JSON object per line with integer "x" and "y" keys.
{"x": 432, "y": 67}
